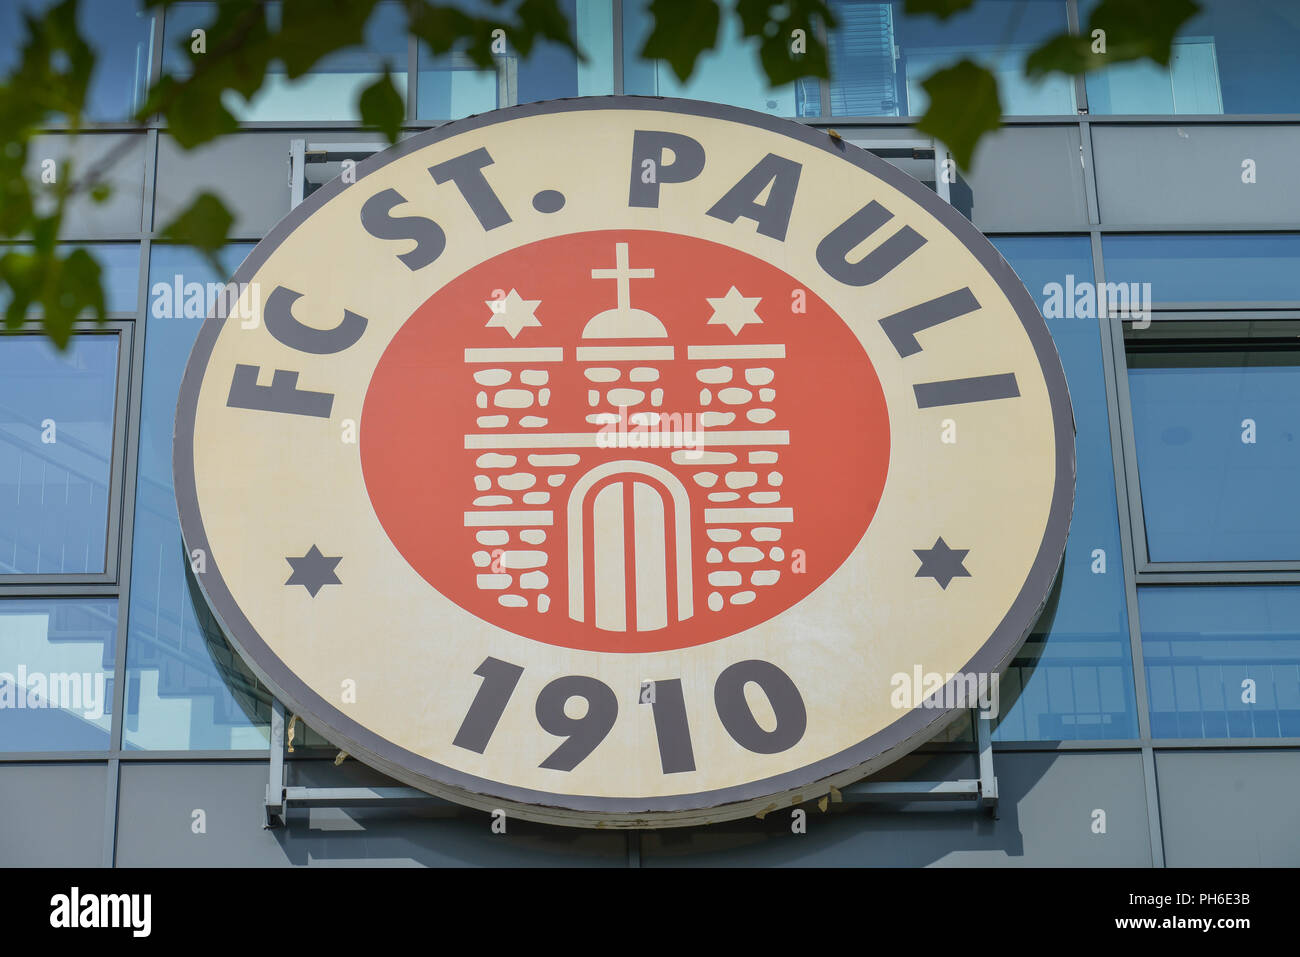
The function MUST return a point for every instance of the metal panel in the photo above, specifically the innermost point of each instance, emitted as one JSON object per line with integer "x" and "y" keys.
{"x": 246, "y": 171}
{"x": 1022, "y": 177}
{"x": 1192, "y": 174}
{"x": 1045, "y": 818}
{"x": 156, "y": 825}
{"x": 53, "y": 815}
{"x": 120, "y": 156}
{"x": 1230, "y": 809}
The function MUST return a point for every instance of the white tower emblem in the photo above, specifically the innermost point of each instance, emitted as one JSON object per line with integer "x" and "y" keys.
{"x": 623, "y": 322}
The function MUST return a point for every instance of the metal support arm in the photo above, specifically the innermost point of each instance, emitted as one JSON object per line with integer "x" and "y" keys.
{"x": 981, "y": 791}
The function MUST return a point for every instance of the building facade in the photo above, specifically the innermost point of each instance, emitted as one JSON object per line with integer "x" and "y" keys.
{"x": 1152, "y": 717}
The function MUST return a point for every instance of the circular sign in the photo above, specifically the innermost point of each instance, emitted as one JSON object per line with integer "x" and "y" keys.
{"x": 626, "y": 462}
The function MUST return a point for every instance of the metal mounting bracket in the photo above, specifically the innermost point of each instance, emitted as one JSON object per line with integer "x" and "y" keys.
{"x": 981, "y": 791}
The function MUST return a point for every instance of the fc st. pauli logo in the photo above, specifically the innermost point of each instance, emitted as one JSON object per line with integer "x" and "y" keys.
{"x": 604, "y": 460}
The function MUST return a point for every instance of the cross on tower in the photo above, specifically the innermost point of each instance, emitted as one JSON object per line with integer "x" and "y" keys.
{"x": 623, "y": 274}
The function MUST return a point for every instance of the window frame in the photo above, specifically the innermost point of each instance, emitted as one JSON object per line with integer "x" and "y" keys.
{"x": 1203, "y": 741}
{"x": 1174, "y": 330}
{"x": 23, "y": 585}
{"x": 1208, "y": 310}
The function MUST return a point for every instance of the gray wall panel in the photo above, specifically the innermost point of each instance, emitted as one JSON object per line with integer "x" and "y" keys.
{"x": 52, "y": 815}
{"x": 158, "y": 800}
{"x": 249, "y": 172}
{"x": 1191, "y": 175}
{"x": 121, "y": 156}
{"x": 1044, "y": 818}
{"x": 1021, "y": 177}
{"x": 1025, "y": 177}
{"x": 1230, "y": 809}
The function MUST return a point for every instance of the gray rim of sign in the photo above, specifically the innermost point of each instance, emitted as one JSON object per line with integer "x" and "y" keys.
{"x": 882, "y": 747}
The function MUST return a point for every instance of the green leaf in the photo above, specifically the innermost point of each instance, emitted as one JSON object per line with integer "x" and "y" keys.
{"x": 942, "y": 9}
{"x": 50, "y": 78}
{"x": 444, "y": 29}
{"x": 100, "y": 192}
{"x": 194, "y": 112}
{"x": 542, "y": 19}
{"x": 76, "y": 287}
{"x": 1064, "y": 54}
{"x": 205, "y": 225}
{"x": 774, "y": 22}
{"x": 1129, "y": 31}
{"x": 240, "y": 48}
{"x": 17, "y": 209}
{"x": 19, "y": 269}
{"x": 381, "y": 105}
{"x": 61, "y": 287}
{"x": 683, "y": 29}
{"x": 312, "y": 29}
{"x": 963, "y": 107}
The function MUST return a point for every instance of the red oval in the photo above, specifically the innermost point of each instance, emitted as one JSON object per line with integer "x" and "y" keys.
{"x": 826, "y": 400}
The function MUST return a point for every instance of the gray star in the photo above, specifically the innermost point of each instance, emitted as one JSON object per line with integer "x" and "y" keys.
{"x": 942, "y": 563}
{"x": 314, "y": 571}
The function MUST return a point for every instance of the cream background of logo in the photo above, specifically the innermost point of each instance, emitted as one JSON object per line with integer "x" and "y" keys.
{"x": 271, "y": 485}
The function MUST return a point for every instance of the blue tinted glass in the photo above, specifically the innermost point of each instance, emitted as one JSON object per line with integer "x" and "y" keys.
{"x": 1223, "y": 661}
{"x": 451, "y": 86}
{"x": 185, "y": 689}
{"x": 56, "y": 453}
{"x": 120, "y": 273}
{"x": 120, "y": 33}
{"x": 1218, "y": 449}
{"x": 730, "y": 72}
{"x": 119, "y": 265}
{"x": 328, "y": 92}
{"x": 880, "y": 57}
{"x": 1224, "y": 267}
{"x": 1074, "y": 677}
{"x": 56, "y": 673}
{"x": 1235, "y": 56}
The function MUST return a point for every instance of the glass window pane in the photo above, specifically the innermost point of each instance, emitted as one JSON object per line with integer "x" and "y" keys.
{"x": 56, "y": 453}
{"x": 1235, "y": 56}
{"x": 880, "y": 57}
{"x": 1222, "y": 661}
{"x": 120, "y": 273}
{"x": 120, "y": 33}
{"x": 119, "y": 265}
{"x": 1073, "y": 680}
{"x": 329, "y": 92}
{"x": 728, "y": 73}
{"x": 185, "y": 688}
{"x": 1221, "y": 267}
{"x": 452, "y": 86}
{"x": 56, "y": 673}
{"x": 1218, "y": 447}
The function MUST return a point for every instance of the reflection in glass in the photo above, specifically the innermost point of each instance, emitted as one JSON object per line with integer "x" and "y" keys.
{"x": 1073, "y": 679}
{"x": 452, "y": 86}
{"x": 1217, "y": 433}
{"x": 1218, "y": 267}
{"x": 56, "y": 673}
{"x": 56, "y": 453}
{"x": 184, "y": 686}
{"x": 880, "y": 57}
{"x": 1222, "y": 661}
{"x": 1235, "y": 56}
{"x": 729, "y": 73}
{"x": 328, "y": 92}
{"x": 121, "y": 35}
